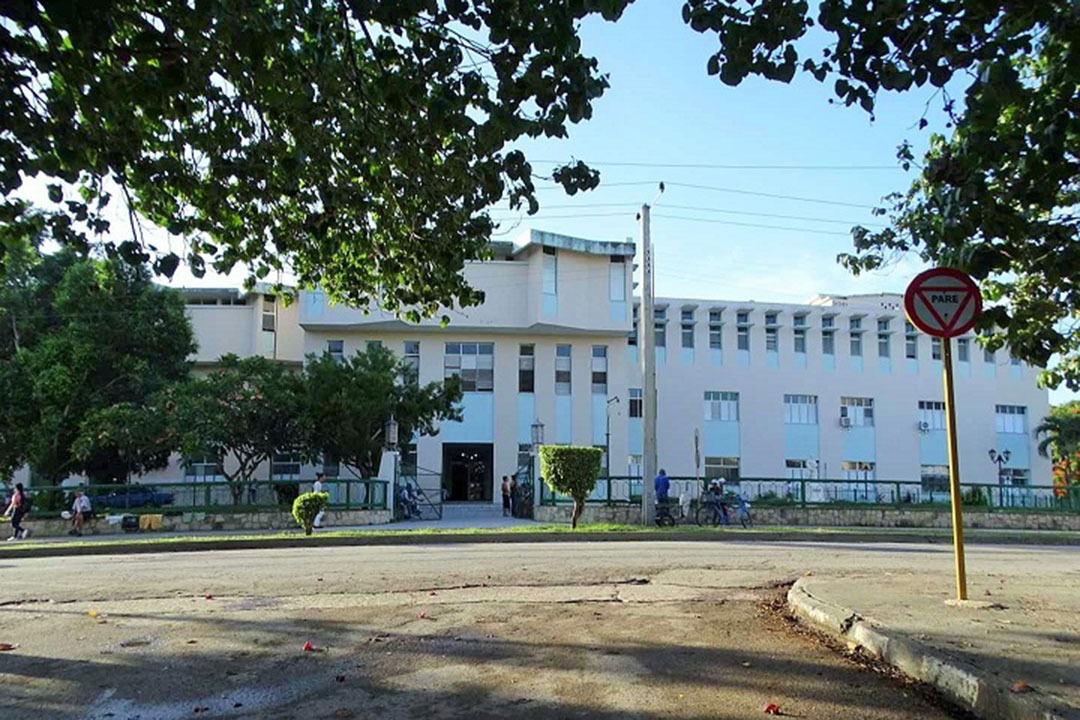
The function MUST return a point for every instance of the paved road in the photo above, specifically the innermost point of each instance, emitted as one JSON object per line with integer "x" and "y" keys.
{"x": 606, "y": 630}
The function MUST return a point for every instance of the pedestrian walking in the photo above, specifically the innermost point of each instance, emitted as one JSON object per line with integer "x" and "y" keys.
{"x": 80, "y": 512}
{"x": 506, "y": 495}
{"x": 513, "y": 495}
{"x": 320, "y": 487}
{"x": 17, "y": 509}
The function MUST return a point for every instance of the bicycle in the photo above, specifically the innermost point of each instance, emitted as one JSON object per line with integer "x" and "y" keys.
{"x": 713, "y": 511}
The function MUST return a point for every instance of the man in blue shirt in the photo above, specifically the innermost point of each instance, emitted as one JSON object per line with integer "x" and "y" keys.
{"x": 662, "y": 485}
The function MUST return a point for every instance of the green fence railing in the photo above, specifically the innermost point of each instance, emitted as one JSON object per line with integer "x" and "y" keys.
{"x": 807, "y": 492}
{"x": 204, "y": 496}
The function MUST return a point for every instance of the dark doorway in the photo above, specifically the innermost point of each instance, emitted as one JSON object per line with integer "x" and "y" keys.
{"x": 467, "y": 472}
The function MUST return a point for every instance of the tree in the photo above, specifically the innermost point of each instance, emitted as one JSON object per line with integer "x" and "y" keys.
{"x": 997, "y": 195}
{"x": 137, "y": 436}
{"x": 571, "y": 470}
{"x": 1060, "y": 441}
{"x": 307, "y": 507}
{"x": 82, "y": 336}
{"x": 353, "y": 399}
{"x": 245, "y": 410}
{"x": 354, "y": 143}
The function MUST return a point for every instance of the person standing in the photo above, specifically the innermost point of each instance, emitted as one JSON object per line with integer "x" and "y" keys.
{"x": 80, "y": 512}
{"x": 662, "y": 486}
{"x": 506, "y": 495}
{"x": 17, "y": 509}
{"x": 513, "y": 495}
{"x": 320, "y": 487}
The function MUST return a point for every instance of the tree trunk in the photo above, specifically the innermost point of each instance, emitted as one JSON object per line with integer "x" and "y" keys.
{"x": 579, "y": 506}
{"x": 307, "y": 529}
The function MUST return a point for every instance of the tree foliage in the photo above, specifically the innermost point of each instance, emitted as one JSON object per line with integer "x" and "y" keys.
{"x": 306, "y": 507}
{"x": 996, "y": 193}
{"x": 352, "y": 400}
{"x": 354, "y": 143}
{"x": 241, "y": 413}
{"x": 77, "y": 337}
{"x": 137, "y": 436}
{"x": 571, "y": 470}
{"x": 1059, "y": 434}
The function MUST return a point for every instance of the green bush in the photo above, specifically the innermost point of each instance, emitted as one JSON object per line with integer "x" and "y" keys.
{"x": 306, "y": 508}
{"x": 571, "y": 470}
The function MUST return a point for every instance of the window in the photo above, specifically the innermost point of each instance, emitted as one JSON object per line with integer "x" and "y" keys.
{"x": 524, "y": 459}
{"x": 935, "y": 348}
{"x": 963, "y": 350}
{"x": 931, "y": 415}
{"x": 526, "y": 369}
{"x": 770, "y": 318}
{"x": 688, "y": 328}
{"x": 742, "y": 317}
{"x": 617, "y": 279}
{"x": 798, "y": 321}
{"x": 285, "y": 466}
{"x": 828, "y": 342}
{"x": 1014, "y": 476}
{"x": 336, "y": 348}
{"x": 412, "y": 358}
{"x": 883, "y": 325}
{"x": 562, "y": 369}
{"x": 632, "y": 340}
{"x": 855, "y": 324}
{"x": 408, "y": 460}
{"x": 203, "y": 466}
{"x": 858, "y": 471}
{"x": 742, "y": 321}
{"x": 800, "y": 409}
{"x": 797, "y": 469}
{"x": 800, "y": 341}
{"x": 636, "y": 403}
{"x": 883, "y": 345}
{"x": 828, "y": 322}
{"x": 858, "y": 411}
{"x": 331, "y": 466}
{"x": 633, "y": 465}
{"x": 551, "y": 266}
{"x": 474, "y": 363}
{"x": 726, "y": 468}
{"x": 599, "y": 369}
{"x": 772, "y": 339}
{"x": 911, "y": 342}
{"x": 721, "y": 406}
{"x": 1011, "y": 418}
{"x": 269, "y": 314}
{"x": 716, "y": 327}
{"x": 856, "y": 345}
{"x": 660, "y": 328}
{"x": 935, "y": 478}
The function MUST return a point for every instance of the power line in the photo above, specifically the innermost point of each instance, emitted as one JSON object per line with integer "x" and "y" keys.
{"x": 716, "y": 166}
{"x": 694, "y": 208}
{"x": 769, "y": 215}
{"x": 769, "y": 195}
{"x": 755, "y": 225}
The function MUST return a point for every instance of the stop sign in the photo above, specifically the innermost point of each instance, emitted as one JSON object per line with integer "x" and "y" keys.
{"x": 943, "y": 302}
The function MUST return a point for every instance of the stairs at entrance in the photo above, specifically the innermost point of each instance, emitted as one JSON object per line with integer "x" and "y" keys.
{"x": 460, "y": 511}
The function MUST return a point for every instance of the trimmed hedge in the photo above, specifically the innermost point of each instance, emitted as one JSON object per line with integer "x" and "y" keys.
{"x": 307, "y": 507}
{"x": 571, "y": 470}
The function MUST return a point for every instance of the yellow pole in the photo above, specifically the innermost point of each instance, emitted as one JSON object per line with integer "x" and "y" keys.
{"x": 954, "y": 471}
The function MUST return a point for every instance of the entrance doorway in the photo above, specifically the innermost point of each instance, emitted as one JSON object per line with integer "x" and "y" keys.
{"x": 467, "y": 472}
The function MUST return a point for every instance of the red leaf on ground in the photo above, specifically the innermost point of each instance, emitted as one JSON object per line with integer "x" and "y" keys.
{"x": 772, "y": 709}
{"x": 4, "y": 647}
{"x": 308, "y": 647}
{"x": 422, "y": 616}
{"x": 209, "y": 596}
{"x": 1020, "y": 687}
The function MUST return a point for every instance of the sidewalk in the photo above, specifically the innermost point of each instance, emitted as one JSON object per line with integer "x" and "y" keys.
{"x": 1009, "y": 632}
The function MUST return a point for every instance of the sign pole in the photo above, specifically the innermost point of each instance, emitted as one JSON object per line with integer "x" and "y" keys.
{"x": 954, "y": 470}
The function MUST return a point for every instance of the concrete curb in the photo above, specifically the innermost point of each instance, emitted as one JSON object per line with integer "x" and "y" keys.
{"x": 106, "y": 547}
{"x": 965, "y": 684}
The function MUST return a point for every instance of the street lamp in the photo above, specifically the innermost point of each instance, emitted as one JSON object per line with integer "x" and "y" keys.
{"x": 391, "y": 433}
{"x": 999, "y": 459}
{"x": 607, "y": 435}
{"x": 537, "y": 435}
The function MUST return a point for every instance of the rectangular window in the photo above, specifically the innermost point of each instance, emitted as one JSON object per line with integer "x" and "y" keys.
{"x": 524, "y": 460}
{"x": 617, "y": 279}
{"x": 633, "y": 465}
{"x": 856, "y": 345}
{"x": 1015, "y": 476}
{"x": 797, "y": 469}
{"x": 269, "y": 313}
{"x": 1011, "y": 418}
{"x": 800, "y": 410}
{"x": 772, "y": 339}
{"x": 526, "y": 369}
{"x": 800, "y": 341}
{"x": 770, "y": 318}
{"x": 203, "y": 466}
{"x": 412, "y": 358}
{"x": 336, "y": 348}
{"x": 935, "y": 478}
{"x": 911, "y": 342}
{"x": 883, "y": 325}
{"x": 858, "y": 471}
{"x": 725, "y": 468}
{"x": 636, "y": 403}
{"x": 372, "y": 344}
{"x": 599, "y": 369}
{"x": 931, "y": 415}
{"x": 716, "y": 327}
{"x": 285, "y": 466}
{"x": 742, "y": 317}
{"x": 963, "y": 350}
{"x": 855, "y": 324}
{"x": 858, "y": 411}
{"x": 798, "y": 321}
{"x": 474, "y": 363}
{"x": 408, "y": 460}
{"x": 632, "y": 340}
{"x": 562, "y": 369}
{"x": 935, "y": 348}
{"x": 721, "y": 406}
{"x": 660, "y": 327}
{"x": 883, "y": 345}
{"x": 331, "y": 466}
{"x": 828, "y": 322}
{"x": 551, "y": 267}
{"x": 744, "y": 338}
{"x": 688, "y": 328}
{"x": 828, "y": 342}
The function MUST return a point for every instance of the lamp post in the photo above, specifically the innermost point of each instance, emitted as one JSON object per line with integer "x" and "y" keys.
{"x": 999, "y": 459}
{"x": 537, "y": 430}
{"x": 607, "y": 434}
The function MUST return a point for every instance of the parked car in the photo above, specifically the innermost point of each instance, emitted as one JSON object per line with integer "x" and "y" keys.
{"x": 133, "y": 496}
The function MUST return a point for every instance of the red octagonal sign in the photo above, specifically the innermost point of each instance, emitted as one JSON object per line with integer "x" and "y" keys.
{"x": 943, "y": 302}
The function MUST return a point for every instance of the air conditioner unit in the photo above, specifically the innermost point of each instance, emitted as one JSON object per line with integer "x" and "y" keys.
{"x": 924, "y": 426}
{"x": 845, "y": 422}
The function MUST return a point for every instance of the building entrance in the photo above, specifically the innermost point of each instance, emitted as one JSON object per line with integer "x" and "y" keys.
{"x": 467, "y": 472}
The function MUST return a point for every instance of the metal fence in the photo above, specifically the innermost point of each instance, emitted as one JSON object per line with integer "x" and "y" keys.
{"x": 207, "y": 496}
{"x": 815, "y": 493}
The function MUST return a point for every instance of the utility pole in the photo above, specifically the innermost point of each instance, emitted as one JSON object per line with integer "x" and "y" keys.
{"x": 647, "y": 343}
